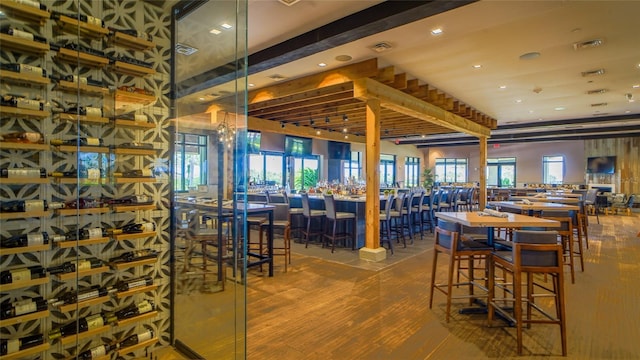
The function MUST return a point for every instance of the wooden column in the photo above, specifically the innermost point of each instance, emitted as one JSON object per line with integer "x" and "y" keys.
{"x": 483, "y": 173}
{"x": 372, "y": 156}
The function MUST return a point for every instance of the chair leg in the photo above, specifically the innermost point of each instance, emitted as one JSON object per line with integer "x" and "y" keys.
{"x": 517, "y": 307}
{"x": 433, "y": 277}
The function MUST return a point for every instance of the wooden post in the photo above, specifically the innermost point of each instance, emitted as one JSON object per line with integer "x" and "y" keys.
{"x": 482, "y": 200}
{"x": 372, "y": 156}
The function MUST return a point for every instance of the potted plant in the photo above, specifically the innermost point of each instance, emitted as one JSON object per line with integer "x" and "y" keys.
{"x": 427, "y": 178}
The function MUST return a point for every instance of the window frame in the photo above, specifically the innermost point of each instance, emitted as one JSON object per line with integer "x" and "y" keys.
{"x": 549, "y": 159}
{"x": 452, "y": 163}
{"x": 181, "y": 145}
{"x": 412, "y": 171}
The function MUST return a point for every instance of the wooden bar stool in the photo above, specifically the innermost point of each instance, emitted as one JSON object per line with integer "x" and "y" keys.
{"x": 533, "y": 252}
{"x": 333, "y": 218}
{"x": 309, "y": 216}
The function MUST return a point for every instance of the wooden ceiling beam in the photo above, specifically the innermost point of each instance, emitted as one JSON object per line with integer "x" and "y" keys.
{"x": 302, "y": 104}
{"x": 404, "y": 103}
{"x": 386, "y": 75}
{"x": 345, "y": 88}
{"x": 254, "y": 123}
{"x": 400, "y": 81}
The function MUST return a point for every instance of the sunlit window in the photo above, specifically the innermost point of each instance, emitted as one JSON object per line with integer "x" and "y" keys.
{"x": 451, "y": 170}
{"x": 553, "y": 169}
{"x": 190, "y": 161}
{"x": 411, "y": 171}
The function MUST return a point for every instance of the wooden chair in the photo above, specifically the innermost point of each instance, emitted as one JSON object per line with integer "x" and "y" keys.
{"x": 280, "y": 222}
{"x": 201, "y": 240}
{"x": 333, "y": 218}
{"x": 566, "y": 234}
{"x": 448, "y": 242}
{"x": 533, "y": 252}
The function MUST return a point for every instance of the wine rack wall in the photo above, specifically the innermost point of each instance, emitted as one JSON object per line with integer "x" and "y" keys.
{"x": 101, "y": 114}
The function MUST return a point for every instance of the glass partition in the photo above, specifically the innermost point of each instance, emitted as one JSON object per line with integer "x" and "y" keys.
{"x": 210, "y": 165}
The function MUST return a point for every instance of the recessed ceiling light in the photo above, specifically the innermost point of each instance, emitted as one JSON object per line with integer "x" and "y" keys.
{"x": 530, "y": 55}
{"x": 636, "y": 86}
{"x": 436, "y": 31}
{"x": 322, "y": 64}
{"x": 317, "y": 132}
{"x": 518, "y": 101}
{"x": 252, "y": 84}
{"x": 226, "y": 26}
{"x": 346, "y": 136}
{"x": 343, "y": 58}
{"x": 559, "y": 108}
{"x": 477, "y": 66}
{"x": 530, "y": 111}
{"x": 503, "y": 87}
{"x": 201, "y": 99}
{"x": 215, "y": 31}
{"x": 628, "y": 111}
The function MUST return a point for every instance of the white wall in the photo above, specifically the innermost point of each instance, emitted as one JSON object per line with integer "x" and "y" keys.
{"x": 528, "y": 158}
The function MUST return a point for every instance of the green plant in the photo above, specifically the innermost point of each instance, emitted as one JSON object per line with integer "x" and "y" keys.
{"x": 427, "y": 178}
{"x": 306, "y": 179}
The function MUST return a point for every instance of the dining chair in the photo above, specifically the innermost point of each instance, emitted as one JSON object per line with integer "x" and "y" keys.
{"x": 448, "y": 241}
{"x": 201, "y": 239}
{"x": 565, "y": 233}
{"x": 533, "y": 252}
{"x": 333, "y": 218}
{"x": 309, "y": 216}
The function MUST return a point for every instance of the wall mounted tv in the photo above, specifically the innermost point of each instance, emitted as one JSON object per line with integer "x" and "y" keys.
{"x": 297, "y": 146}
{"x": 601, "y": 165}
{"x": 339, "y": 150}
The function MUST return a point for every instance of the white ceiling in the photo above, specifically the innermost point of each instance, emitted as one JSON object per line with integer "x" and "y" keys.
{"x": 490, "y": 33}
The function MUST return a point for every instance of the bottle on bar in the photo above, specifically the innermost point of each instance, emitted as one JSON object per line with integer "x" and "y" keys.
{"x": 23, "y": 137}
{"x": 10, "y": 346}
{"x": 21, "y": 102}
{"x": 23, "y": 240}
{"x": 132, "y": 310}
{"x": 134, "y": 283}
{"x": 138, "y": 173}
{"x": 136, "y": 339}
{"x": 135, "y": 256}
{"x": 134, "y": 228}
{"x": 23, "y": 307}
{"x": 97, "y": 352}
{"x": 82, "y": 141}
{"x": 24, "y": 69}
{"x": 72, "y": 297}
{"x": 14, "y": 206}
{"x": 22, "y": 274}
{"x": 22, "y": 34}
{"x": 69, "y": 267}
{"x": 84, "y": 324}
{"x": 131, "y": 200}
{"x": 32, "y": 3}
{"x": 133, "y": 32}
{"x": 13, "y": 173}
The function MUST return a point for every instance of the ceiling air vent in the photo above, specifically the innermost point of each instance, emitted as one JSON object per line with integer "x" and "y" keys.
{"x": 288, "y": 2}
{"x": 599, "y": 104}
{"x": 597, "y": 91}
{"x": 593, "y": 73}
{"x": 381, "y": 46}
{"x": 587, "y": 44}
{"x": 185, "y": 49}
{"x": 277, "y": 77}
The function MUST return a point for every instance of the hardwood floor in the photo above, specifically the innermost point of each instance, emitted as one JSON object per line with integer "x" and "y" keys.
{"x": 327, "y": 309}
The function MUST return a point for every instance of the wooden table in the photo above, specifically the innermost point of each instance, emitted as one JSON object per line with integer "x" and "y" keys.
{"x": 552, "y": 199}
{"x": 535, "y": 206}
{"x": 563, "y": 194}
{"x": 471, "y": 218}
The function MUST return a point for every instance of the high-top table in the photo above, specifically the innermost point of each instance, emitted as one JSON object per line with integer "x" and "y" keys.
{"x": 534, "y": 206}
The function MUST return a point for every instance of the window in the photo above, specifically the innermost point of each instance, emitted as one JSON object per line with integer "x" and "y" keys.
{"x": 501, "y": 172}
{"x": 411, "y": 171}
{"x": 387, "y": 170}
{"x": 266, "y": 169}
{"x": 553, "y": 169}
{"x": 306, "y": 171}
{"x": 191, "y": 161}
{"x": 451, "y": 170}
{"x": 353, "y": 167}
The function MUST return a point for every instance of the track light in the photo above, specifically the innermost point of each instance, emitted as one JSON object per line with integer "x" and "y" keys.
{"x": 345, "y": 117}
{"x": 312, "y": 122}
{"x": 282, "y": 124}
{"x": 344, "y": 130}
{"x": 296, "y": 123}
{"x": 326, "y": 119}
{"x": 317, "y": 131}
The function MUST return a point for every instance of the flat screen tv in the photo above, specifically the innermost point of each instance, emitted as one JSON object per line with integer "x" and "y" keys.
{"x": 601, "y": 165}
{"x": 339, "y": 150}
{"x": 297, "y": 146}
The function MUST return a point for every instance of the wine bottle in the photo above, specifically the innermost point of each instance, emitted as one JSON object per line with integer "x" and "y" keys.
{"x": 21, "y": 102}
{"x": 23, "y": 137}
{"x": 24, "y": 69}
{"x": 10, "y": 346}
{"x": 22, "y": 34}
{"x": 85, "y": 110}
{"x": 134, "y": 283}
{"x": 23, "y": 307}
{"x": 144, "y": 173}
{"x": 133, "y": 32}
{"x": 97, "y": 352}
{"x": 83, "y": 203}
{"x": 22, "y": 274}
{"x": 134, "y": 228}
{"x": 32, "y": 3}
{"x": 23, "y": 206}
{"x": 132, "y": 310}
{"x": 135, "y": 256}
{"x": 136, "y": 339}
{"x": 13, "y": 173}
{"x": 86, "y": 234}
{"x": 83, "y": 173}
{"x": 55, "y": 15}
{"x": 131, "y": 200}
{"x": 82, "y": 325}
{"x": 135, "y": 145}
{"x": 82, "y": 141}
{"x": 72, "y": 297}
{"x": 23, "y": 240}
{"x": 69, "y": 267}
{"x": 81, "y": 80}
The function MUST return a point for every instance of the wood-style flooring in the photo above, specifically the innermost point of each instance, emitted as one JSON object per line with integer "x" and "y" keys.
{"x": 327, "y": 308}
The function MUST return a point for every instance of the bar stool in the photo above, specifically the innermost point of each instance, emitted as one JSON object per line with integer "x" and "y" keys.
{"x": 385, "y": 224}
{"x": 448, "y": 242}
{"x": 565, "y": 232}
{"x": 533, "y": 252}
{"x": 296, "y": 217}
{"x": 280, "y": 222}
{"x": 397, "y": 217}
{"x": 205, "y": 238}
{"x": 309, "y": 216}
{"x": 334, "y": 217}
